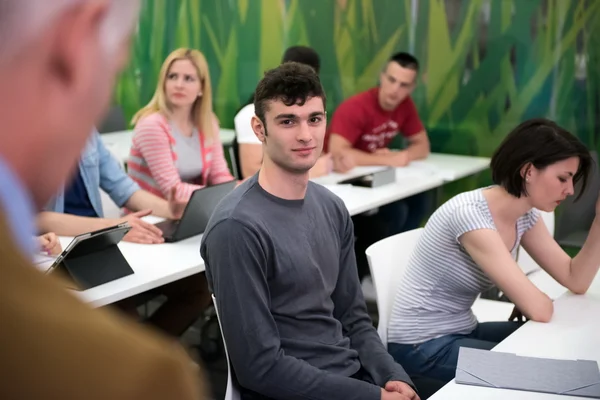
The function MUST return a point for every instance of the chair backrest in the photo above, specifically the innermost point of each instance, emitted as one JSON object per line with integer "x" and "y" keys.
{"x": 388, "y": 260}
{"x": 549, "y": 220}
{"x": 527, "y": 264}
{"x": 114, "y": 121}
{"x": 234, "y": 155}
{"x": 578, "y": 216}
{"x": 232, "y": 392}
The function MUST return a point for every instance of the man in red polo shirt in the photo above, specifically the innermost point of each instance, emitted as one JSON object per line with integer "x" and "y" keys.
{"x": 361, "y": 129}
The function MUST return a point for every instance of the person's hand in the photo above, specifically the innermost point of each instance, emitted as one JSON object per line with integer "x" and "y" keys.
{"x": 385, "y": 395}
{"x": 517, "y": 315}
{"x": 141, "y": 231}
{"x": 383, "y": 150}
{"x": 401, "y": 388}
{"x": 176, "y": 206}
{"x": 50, "y": 244}
{"x": 397, "y": 158}
{"x": 343, "y": 162}
{"x": 323, "y": 166}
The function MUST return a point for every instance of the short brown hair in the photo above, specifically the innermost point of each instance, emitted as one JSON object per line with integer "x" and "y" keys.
{"x": 540, "y": 142}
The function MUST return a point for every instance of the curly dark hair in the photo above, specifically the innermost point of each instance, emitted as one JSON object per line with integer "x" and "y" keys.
{"x": 291, "y": 83}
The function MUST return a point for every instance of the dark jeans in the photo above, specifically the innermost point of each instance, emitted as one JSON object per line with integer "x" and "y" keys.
{"x": 437, "y": 358}
{"x": 391, "y": 219}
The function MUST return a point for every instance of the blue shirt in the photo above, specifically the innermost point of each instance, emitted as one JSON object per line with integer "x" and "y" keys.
{"x": 99, "y": 170}
{"x": 77, "y": 201}
{"x": 18, "y": 209}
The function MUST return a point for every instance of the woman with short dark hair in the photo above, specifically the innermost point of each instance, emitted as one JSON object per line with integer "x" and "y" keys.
{"x": 470, "y": 244}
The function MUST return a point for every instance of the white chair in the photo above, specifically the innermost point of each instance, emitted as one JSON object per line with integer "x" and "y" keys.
{"x": 388, "y": 260}
{"x": 232, "y": 392}
{"x": 527, "y": 264}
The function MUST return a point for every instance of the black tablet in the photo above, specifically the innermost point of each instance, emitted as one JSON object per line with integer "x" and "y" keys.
{"x": 94, "y": 258}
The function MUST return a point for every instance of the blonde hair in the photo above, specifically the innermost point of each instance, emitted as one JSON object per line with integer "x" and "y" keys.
{"x": 202, "y": 114}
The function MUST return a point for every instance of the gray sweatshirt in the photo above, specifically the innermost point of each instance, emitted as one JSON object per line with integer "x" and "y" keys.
{"x": 284, "y": 276}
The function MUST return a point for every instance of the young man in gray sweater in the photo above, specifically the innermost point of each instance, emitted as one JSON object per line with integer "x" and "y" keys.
{"x": 280, "y": 260}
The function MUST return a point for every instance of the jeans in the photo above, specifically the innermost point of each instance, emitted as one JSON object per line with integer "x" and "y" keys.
{"x": 391, "y": 219}
{"x": 437, "y": 358}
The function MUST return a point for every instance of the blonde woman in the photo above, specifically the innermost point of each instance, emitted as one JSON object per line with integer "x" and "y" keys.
{"x": 176, "y": 147}
{"x": 176, "y": 150}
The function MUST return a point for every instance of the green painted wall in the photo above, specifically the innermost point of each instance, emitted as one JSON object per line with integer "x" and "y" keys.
{"x": 486, "y": 64}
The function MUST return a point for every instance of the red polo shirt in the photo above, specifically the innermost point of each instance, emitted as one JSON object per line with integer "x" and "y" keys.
{"x": 363, "y": 122}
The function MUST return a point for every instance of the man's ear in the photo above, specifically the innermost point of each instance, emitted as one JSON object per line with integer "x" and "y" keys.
{"x": 259, "y": 128}
{"x": 77, "y": 35}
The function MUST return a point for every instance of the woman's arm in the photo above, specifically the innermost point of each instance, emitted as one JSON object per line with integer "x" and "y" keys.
{"x": 488, "y": 250}
{"x": 70, "y": 225}
{"x": 575, "y": 274}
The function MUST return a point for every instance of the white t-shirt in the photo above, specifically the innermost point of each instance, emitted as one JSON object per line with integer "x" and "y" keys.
{"x": 243, "y": 127}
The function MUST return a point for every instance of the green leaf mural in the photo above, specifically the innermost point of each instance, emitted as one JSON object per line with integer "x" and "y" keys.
{"x": 486, "y": 64}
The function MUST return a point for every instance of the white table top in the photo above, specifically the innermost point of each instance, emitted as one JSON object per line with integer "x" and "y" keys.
{"x": 154, "y": 265}
{"x": 452, "y": 167}
{"x": 573, "y": 333}
{"x": 449, "y": 167}
{"x": 361, "y": 199}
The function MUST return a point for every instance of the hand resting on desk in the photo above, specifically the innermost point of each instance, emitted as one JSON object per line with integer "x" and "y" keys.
{"x": 394, "y": 158}
{"x": 141, "y": 231}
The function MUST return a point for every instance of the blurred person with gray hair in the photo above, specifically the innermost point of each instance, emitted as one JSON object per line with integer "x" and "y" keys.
{"x": 58, "y": 63}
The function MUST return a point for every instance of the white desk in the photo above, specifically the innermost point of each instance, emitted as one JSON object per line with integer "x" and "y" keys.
{"x": 361, "y": 199}
{"x": 452, "y": 167}
{"x": 157, "y": 265}
{"x": 336, "y": 177}
{"x": 154, "y": 265}
{"x": 573, "y": 333}
{"x": 119, "y": 143}
{"x": 449, "y": 167}
{"x": 417, "y": 177}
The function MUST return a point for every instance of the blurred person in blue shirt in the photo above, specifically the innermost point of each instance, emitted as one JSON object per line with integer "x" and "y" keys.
{"x": 58, "y": 62}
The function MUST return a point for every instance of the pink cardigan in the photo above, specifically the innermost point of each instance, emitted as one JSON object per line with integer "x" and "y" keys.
{"x": 152, "y": 158}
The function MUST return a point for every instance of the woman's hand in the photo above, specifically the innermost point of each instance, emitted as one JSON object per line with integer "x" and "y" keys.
{"x": 50, "y": 244}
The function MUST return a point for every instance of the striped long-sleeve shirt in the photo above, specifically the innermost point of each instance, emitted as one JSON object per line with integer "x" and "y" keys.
{"x": 152, "y": 159}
